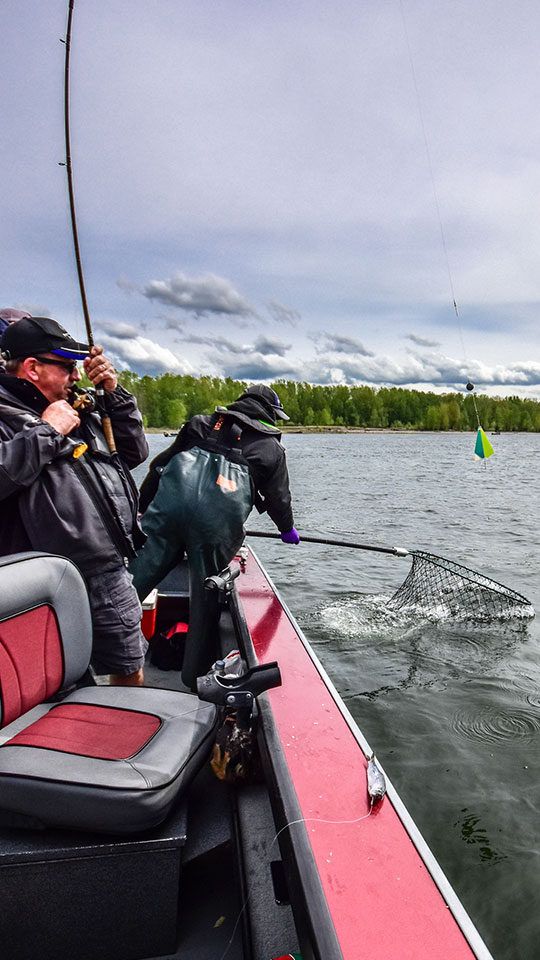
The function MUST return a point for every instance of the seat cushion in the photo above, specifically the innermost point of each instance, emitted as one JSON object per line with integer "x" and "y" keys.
{"x": 31, "y": 661}
{"x": 45, "y": 630}
{"x": 109, "y": 759}
{"x": 90, "y": 730}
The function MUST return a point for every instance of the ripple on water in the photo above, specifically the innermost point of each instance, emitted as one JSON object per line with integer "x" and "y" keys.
{"x": 486, "y": 723}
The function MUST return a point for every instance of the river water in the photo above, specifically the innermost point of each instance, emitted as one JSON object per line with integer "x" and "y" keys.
{"x": 451, "y": 708}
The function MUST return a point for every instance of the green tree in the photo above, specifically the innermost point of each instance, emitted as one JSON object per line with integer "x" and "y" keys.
{"x": 175, "y": 413}
{"x": 433, "y": 418}
{"x": 169, "y": 399}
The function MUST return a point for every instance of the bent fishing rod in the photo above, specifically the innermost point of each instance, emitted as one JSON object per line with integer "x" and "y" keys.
{"x": 100, "y": 391}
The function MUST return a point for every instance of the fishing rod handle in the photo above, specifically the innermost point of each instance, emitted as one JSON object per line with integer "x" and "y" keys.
{"x": 106, "y": 423}
{"x": 106, "y": 426}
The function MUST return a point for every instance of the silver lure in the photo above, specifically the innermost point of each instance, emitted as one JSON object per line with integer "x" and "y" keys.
{"x": 376, "y": 784}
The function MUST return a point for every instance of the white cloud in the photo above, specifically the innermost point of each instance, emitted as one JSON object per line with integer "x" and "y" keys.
{"x": 421, "y": 341}
{"x": 144, "y": 356}
{"x": 125, "y": 284}
{"x": 258, "y": 367}
{"x": 337, "y": 343}
{"x": 283, "y": 314}
{"x": 199, "y": 295}
{"x": 435, "y": 369}
{"x": 271, "y": 346}
{"x": 118, "y": 330}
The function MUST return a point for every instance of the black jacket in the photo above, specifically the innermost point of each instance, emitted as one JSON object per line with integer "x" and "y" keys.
{"x": 244, "y": 429}
{"x": 83, "y": 508}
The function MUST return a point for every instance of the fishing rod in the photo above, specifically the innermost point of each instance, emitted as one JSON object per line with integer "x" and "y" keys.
{"x": 100, "y": 391}
{"x": 396, "y": 551}
{"x": 483, "y": 448}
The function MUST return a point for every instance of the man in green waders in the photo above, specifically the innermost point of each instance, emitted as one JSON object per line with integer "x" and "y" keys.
{"x": 196, "y": 498}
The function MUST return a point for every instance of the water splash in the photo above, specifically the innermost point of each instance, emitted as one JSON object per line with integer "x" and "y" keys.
{"x": 365, "y": 616}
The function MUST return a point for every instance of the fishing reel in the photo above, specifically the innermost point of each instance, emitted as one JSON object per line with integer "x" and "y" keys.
{"x": 81, "y": 400}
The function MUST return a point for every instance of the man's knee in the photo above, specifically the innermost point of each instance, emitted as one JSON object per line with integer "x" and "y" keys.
{"x": 127, "y": 679}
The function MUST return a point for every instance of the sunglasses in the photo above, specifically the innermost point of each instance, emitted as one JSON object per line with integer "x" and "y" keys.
{"x": 69, "y": 365}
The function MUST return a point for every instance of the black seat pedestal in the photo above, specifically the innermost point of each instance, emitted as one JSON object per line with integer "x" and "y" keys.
{"x": 68, "y": 895}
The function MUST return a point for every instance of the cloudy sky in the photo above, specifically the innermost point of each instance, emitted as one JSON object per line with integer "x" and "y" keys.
{"x": 293, "y": 189}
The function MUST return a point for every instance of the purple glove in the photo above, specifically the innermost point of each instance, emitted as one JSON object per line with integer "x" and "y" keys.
{"x": 291, "y": 536}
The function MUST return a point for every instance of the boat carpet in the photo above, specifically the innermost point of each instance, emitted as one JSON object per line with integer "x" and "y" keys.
{"x": 273, "y": 933}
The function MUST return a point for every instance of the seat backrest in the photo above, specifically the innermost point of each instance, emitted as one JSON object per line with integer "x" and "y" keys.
{"x": 45, "y": 630}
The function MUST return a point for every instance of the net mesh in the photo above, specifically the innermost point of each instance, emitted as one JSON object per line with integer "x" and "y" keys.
{"x": 441, "y": 588}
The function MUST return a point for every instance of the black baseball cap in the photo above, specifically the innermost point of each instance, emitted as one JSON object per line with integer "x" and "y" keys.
{"x": 33, "y": 335}
{"x": 268, "y": 396}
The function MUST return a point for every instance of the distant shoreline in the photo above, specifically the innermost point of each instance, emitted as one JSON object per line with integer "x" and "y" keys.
{"x": 336, "y": 429}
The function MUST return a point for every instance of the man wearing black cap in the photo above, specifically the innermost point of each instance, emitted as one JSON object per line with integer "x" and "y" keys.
{"x": 196, "y": 498}
{"x": 61, "y": 489}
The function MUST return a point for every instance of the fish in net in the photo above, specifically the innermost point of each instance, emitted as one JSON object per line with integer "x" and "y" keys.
{"x": 441, "y": 588}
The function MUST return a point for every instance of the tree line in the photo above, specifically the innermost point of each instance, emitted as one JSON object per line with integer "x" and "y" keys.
{"x": 168, "y": 400}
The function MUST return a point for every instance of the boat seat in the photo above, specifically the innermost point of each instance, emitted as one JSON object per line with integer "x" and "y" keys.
{"x": 103, "y": 759}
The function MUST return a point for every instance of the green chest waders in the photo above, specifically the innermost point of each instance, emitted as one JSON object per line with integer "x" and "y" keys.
{"x": 200, "y": 508}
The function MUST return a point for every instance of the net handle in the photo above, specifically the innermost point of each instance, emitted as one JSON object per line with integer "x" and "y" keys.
{"x": 395, "y": 551}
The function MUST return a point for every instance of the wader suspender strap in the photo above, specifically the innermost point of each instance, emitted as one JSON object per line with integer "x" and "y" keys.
{"x": 224, "y": 438}
{"x": 223, "y": 445}
{"x": 235, "y": 454}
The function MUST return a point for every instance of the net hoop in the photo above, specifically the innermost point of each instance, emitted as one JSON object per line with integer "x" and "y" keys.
{"x": 435, "y": 583}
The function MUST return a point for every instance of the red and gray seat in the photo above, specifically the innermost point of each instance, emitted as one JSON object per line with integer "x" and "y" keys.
{"x": 105, "y": 759}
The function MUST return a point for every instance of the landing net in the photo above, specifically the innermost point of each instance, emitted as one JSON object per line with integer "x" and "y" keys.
{"x": 441, "y": 588}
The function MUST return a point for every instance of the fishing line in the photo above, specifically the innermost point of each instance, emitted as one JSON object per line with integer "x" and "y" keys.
{"x": 239, "y": 917}
{"x": 319, "y": 820}
{"x": 470, "y": 387}
{"x": 435, "y": 194}
{"x": 290, "y": 824}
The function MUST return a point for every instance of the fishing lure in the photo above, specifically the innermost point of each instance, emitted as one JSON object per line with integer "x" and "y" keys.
{"x": 376, "y": 784}
{"x": 81, "y": 400}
